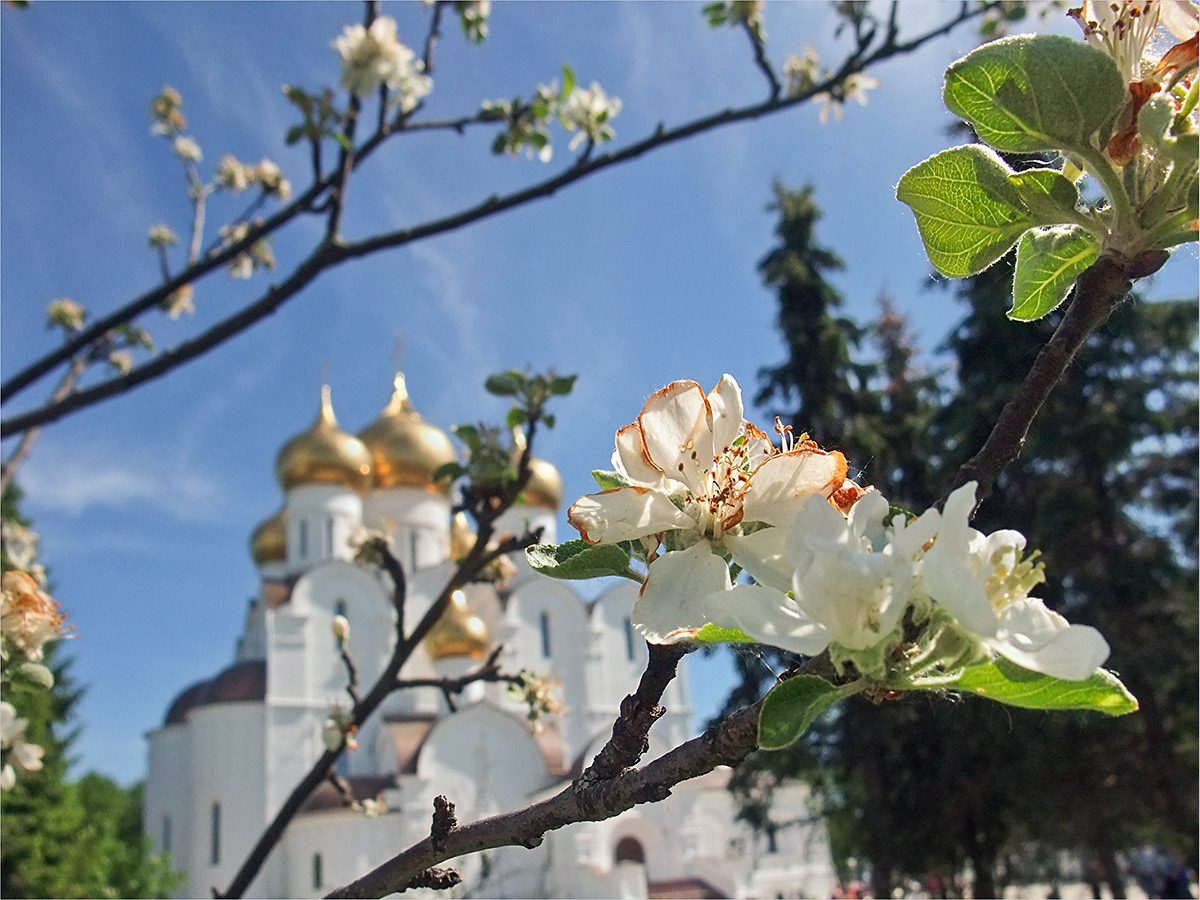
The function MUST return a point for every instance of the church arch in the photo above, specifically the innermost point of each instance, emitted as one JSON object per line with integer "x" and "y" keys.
{"x": 629, "y": 849}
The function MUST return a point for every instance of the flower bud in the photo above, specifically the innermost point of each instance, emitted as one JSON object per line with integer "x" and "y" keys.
{"x": 341, "y": 629}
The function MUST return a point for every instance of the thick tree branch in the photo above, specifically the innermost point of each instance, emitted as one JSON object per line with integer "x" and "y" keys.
{"x": 1096, "y": 293}
{"x": 725, "y": 744}
{"x": 331, "y": 254}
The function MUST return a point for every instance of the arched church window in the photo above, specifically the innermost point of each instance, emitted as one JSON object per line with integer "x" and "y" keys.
{"x": 544, "y": 622}
{"x": 214, "y": 855}
{"x": 316, "y": 872}
{"x": 304, "y": 539}
{"x": 630, "y": 645}
{"x": 629, "y": 849}
{"x": 329, "y": 537}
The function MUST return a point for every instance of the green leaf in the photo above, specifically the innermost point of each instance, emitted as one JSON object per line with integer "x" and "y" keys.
{"x": 294, "y": 134}
{"x": 609, "y": 480}
{"x": 793, "y": 705}
{"x": 1049, "y": 194}
{"x": 1006, "y": 682}
{"x": 451, "y": 470}
{"x": 469, "y": 435}
{"x": 568, "y": 82}
{"x": 548, "y": 420}
{"x": 37, "y": 673}
{"x": 967, "y": 210}
{"x": 1037, "y": 92}
{"x": 715, "y": 634}
{"x": 343, "y": 141}
{"x": 561, "y": 385}
{"x": 516, "y": 417}
{"x": 1048, "y": 262}
{"x": 579, "y": 559}
{"x": 504, "y": 384}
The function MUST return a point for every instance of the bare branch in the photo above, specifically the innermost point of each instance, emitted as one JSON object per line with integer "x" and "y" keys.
{"x": 724, "y": 744}
{"x": 1096, "y": 293}
{"x": 760, "y": 58}
{"x": 328, "y": 255}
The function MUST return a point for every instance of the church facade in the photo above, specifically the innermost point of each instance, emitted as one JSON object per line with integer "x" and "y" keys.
{"x": 232, "y": 747}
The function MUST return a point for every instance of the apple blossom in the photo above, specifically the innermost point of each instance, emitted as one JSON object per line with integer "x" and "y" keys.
{"x": 18, "y": 751}
{"x": 29, "y": 617}
{"x": 374, "y": 57}
{"x": 704, "y": 484}
{"x": 588, "y": 111}
{"x": 853, "y": 580}
{"x": 984, "y": 583}
{"x": 187, "y": 149}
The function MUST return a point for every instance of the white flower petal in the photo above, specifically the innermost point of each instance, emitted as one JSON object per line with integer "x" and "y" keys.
{"x": 624, "y": 514}
{"x": 680, "y": 593}
{"x": 8, "y": 777}
{"x": 866, "y": 517}
{"x": 780, "y": 485}
{"x": 818, "y": 527}
{"x": 676, "y": 431}
{"x": 630, "y": 458}
{"x": 772, "y": 617}
{"x": 725, "y": 401}
{"x": 764, "y": 555}
{"x": 1041, "y": 640}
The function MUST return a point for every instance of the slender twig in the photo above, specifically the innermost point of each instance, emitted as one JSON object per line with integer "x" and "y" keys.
{"x": 477, "y": 559}
{"x": 1096, "y": 293}
{"x": 78, "y": 366}
{"x": 431, "y": 39}
{"x": 351, "y": 673}
{"x": 760, "y": 58}
{"x": 327, "y": 256}
{"x": 488, "y": 670}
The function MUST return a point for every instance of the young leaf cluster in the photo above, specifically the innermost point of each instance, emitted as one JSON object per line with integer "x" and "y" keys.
{"x": 1052, "y": 95}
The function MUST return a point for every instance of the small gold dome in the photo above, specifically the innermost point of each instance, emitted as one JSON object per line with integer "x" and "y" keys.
{"x": 268, "y": 544}
{"x": 324, "y": 454}
{"x": 458, "y": 632}
{"x": 545, "y": 487}
{"x": 405, "y": 449}
{"x": 462, "y": 536}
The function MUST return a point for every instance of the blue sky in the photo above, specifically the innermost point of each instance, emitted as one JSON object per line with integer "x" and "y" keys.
{"x": 633, "y": 278}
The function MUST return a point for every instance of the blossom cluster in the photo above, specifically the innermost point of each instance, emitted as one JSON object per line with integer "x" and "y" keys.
{"x": 539, "y": 693}
{"x": 29, "y": 620}
{"x": 1154, "y": 44}
{"x": 374, "y": 57}
{"x": 834, "y": 566}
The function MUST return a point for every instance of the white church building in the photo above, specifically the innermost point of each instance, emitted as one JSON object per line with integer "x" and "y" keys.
{"x": 232, "y": 747}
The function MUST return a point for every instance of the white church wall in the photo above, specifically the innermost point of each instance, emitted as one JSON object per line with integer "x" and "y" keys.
{"x": 227, "y": 773}
{"x": 483, "y": 759}
{"x": 417, "y": 521}
{"x": 320, "y": 520}
{"x": 341, "y": 588}
{"x": 326, "y": 849}
{"x": 552, "y": 636}
{"x": 168, "y": 797}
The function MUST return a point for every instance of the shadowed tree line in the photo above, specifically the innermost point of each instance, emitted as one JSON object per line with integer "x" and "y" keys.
{"x": 1105, "y": 488}
{"x": 63, "y": 837}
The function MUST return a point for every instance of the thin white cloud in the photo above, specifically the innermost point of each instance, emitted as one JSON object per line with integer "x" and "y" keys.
{"x": 78, "y": 481}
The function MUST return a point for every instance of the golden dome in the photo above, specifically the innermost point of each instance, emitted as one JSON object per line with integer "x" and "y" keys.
{"x": 459, "y": 632}
{"x": 462, "y": 536}
{"x": 324, "y": 454}
{"x": 545, "y": 487}
{"x": 405, "y": 449}
{"x": 268, "y": 544}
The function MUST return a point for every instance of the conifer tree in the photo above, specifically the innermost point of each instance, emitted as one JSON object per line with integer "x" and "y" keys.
{"x": 60, "y": 838}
